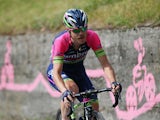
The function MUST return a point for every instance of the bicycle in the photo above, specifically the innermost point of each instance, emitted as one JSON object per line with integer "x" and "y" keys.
{"x": 88, "y": 112}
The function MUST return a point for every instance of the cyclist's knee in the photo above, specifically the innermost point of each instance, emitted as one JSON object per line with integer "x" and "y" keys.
{"x": 95, "y": 105}
{"x": 71, "y": 85}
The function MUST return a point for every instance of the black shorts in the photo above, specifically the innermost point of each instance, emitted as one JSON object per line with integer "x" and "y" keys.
{"x": 78, "y": 76}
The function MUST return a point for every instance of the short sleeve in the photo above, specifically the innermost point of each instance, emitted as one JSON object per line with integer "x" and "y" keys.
{"x": 94, "y": 42}
{"x": 59, "y": 47}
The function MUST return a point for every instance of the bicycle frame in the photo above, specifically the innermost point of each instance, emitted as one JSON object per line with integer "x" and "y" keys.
{"x": 87, "y": 107}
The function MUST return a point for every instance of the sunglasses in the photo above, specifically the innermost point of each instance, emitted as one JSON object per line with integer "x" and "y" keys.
{"x": 79, "y": 30}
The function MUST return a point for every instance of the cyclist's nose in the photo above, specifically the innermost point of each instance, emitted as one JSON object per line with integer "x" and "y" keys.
{"x": 81, "y": 32}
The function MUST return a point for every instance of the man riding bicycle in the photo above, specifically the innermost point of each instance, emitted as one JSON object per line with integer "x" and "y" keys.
{"x": 66, "y": 72}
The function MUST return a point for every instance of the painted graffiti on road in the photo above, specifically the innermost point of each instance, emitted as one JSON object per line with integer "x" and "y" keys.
{"x": 143, "y": 84}
{"x": 143, "y": 87}
{"x": 7, "y": 77}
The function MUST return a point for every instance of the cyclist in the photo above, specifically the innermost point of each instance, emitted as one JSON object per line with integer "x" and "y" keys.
{"x": 66, "y": 72}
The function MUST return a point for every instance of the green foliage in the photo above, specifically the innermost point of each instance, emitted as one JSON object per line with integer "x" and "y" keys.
{"x": 18, "y": 16}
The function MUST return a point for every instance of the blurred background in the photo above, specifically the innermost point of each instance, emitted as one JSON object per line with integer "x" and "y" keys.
{"x": 19, "y": 16}
{"x": 129, "y": 32}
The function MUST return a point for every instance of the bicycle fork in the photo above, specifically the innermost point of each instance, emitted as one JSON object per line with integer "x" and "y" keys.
{"x": 88, "y": 112}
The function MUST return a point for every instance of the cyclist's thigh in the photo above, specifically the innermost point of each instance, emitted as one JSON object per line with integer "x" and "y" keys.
{"x": 84, "y": 83}
{"x": 70, "y": 84}
{"x": 50, "y": 76}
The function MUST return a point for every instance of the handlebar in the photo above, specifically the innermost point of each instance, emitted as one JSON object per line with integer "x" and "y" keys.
{"x": 90, "y": 92}
{"x": 87, "y": 93}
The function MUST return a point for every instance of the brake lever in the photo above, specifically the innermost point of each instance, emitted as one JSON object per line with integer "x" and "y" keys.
{"x": 117, "y": 96}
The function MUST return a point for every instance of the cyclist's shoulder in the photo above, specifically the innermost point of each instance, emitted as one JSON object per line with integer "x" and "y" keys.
{"x": 92, "y": 36}
{"x": 91, "y": 31}
{"x": 61, "y": 36}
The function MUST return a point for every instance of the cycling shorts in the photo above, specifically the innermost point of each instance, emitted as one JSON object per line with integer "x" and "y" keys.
{"x": 78, "y": 76}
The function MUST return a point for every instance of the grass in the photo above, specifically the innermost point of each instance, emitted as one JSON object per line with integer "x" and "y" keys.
{"x": 20, "y": 16}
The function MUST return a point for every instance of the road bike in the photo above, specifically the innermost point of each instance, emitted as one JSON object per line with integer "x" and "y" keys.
{"x": 88, "y": 112}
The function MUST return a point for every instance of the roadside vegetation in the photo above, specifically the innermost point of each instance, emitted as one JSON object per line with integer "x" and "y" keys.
{"x": 21, "y": 16}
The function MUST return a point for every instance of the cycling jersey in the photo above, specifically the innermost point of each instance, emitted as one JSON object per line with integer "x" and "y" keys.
{"x": 63, "y": 52}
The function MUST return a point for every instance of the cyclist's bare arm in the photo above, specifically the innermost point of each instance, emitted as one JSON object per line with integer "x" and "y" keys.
{"x": 57, "y": 77}
{"x": 57, "y": 70}
{"x": 107, "y": 68}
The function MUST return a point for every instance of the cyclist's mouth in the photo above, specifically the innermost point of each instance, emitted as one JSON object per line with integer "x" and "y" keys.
{"x": 81, "y": 40}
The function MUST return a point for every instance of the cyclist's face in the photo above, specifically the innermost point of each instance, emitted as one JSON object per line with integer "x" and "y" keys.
{"x": 79, "y": 35}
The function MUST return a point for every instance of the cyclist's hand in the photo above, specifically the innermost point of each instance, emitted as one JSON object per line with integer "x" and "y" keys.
{"x": 115, "y": 87}
{"x": 67, "y": 96}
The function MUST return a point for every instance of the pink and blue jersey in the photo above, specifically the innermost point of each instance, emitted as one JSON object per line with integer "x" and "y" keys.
{"x": 63, "y": 52}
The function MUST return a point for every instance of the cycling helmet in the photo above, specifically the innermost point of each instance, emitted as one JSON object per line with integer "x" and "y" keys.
{"x": 75, "y": 18}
